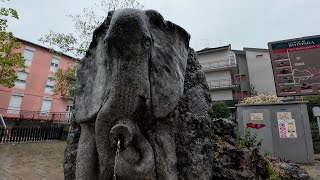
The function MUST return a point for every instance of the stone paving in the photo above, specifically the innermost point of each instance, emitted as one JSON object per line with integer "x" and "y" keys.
{"x": 32, "y": 161}
{"x": 313, "y": 169}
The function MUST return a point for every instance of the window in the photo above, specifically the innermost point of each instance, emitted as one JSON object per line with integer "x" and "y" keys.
{"x": 49, "y": 86}
{"x": 54, "y": 63}
{"x": 15, "y": 103}
{"x": 46, "y": 105}
{"x": 239, "y": 78}
{"x": 259, "y": 56}
{"x": 22, "y": 80}
{"x": 243, "y": 77}
{"x": 69, "y": 108}
{"x": 28, "y": 55}
{"x": 241, "y": 95}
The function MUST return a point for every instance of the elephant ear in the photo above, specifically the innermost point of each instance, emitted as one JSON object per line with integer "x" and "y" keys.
{"x": 168, "y": 63}
{"x": 92, "y": 77}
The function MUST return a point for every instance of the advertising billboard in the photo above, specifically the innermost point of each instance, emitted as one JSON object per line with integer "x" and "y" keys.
{"x": 296, "y": 66}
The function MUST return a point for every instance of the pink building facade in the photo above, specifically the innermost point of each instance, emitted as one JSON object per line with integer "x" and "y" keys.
{"x": 33, "y": 89}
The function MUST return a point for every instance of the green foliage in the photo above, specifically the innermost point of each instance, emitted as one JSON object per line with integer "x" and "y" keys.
{"x": 77, "y": 43}
{"x": 253, "y": 91}
{"x": 246, "y": 139}
{"x": 314, "y": 100}
{"x": 65, "y": 82}
{"x": 10, "y": 60}
{"x": 220, "y": 110}
{"x": 274, "y": 172}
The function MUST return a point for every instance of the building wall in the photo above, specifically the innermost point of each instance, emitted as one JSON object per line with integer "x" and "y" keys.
{"x": 221, "y": 95}
{"x": 243, "y": 71}
{"x": 218, "y": 75}
{"x": 34, "y": 91}
{"x": 260, "y": 71}
{"x": 222, "y": 74}
{"x": 213, "y": 56}
{"x": 242, "y": 77}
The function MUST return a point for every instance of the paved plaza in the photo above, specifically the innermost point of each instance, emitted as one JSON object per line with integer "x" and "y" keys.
{"x": 32, "y": 161}
{"x": 29, "y": 161}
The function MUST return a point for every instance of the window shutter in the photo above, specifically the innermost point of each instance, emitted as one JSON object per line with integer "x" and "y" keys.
{"x": 15, "y": 104}
{"x": 28, "y": 54}
{"x": 22, "y": 76}
{"x": 46, "y": 105}
{"x": 55, "y": 60}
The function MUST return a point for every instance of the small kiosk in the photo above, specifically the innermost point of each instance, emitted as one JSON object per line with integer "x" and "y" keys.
{"x": 283, "y": 128}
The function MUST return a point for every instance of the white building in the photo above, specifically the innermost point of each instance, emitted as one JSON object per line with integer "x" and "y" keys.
{"x": 233, "y": 74}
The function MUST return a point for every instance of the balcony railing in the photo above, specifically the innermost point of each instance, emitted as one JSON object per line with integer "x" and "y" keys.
{"x": 56, "y": 117}
{"x": 219, "y": 64}
{"x": 221, "y": 83}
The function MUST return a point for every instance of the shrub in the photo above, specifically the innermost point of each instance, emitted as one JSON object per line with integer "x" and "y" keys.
{"x": 246, "y": 139}
{"x": 314, "y": 100}
{"x": 220, "y": 110}
{"x": 274, "y": 172}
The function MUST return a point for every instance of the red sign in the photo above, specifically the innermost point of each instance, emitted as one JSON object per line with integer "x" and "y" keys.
{"x": 255, "y": 126}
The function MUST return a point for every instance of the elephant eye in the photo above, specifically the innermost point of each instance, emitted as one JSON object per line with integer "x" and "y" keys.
{"x": 147, "y": 42}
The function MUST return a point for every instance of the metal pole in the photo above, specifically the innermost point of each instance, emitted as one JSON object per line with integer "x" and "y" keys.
{"x": 4, "y": 124}
{"x": 318, "y": 121}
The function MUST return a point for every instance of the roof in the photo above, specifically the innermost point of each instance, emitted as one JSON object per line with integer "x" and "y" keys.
{"x": 207, "y": 50}
{"x": 49, "y": 49}
{"x": 255, "y": 49}
{"x": 239, "y": 52}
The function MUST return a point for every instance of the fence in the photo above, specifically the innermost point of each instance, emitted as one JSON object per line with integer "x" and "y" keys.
{"x": 219, "y": 64}
{"x": 58, "y": 117}
{"x": 30, "y": 134}
{"x": 220, "y": 83}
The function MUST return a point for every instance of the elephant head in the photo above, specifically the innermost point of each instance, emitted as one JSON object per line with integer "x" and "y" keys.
{"x": 129, "y": 84}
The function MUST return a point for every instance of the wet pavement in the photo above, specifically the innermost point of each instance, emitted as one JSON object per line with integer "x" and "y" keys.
{"x": 32, "y": 161}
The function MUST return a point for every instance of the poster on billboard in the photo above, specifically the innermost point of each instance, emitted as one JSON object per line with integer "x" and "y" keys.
{"x": 296, "y": 66}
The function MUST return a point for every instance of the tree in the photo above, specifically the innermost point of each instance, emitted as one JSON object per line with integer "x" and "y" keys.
{"x": 10, "y": 59}
{"x": 65, "y": 82}
{"x": 77, "y": 43}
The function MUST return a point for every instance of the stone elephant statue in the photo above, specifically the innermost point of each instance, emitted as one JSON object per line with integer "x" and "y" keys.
{"x": 140, "y": 83}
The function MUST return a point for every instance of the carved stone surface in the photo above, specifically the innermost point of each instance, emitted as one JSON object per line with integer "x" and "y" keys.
{"x": 141, "y": 83}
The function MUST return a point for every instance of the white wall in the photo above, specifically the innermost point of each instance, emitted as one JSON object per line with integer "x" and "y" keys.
{"x": 218, "y": 95}
{"x": 218, "y": 75}
{"x": 260, "y": 71}
{"x": 213, "y": 56}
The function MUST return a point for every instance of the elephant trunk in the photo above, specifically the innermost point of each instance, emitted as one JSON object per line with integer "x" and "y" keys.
{"x": 118, "y": 118}
{"x": 136, "y": 158}
{"x": 123, "y": 131}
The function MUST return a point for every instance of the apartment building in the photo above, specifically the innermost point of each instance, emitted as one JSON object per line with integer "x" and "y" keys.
{"x": 233, "y": 74}
{"x": 33, "y": 89}
{"x": 226, "y": 73}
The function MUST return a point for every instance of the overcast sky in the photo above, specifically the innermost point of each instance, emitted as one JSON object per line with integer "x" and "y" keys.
{"x": 211, "y": 23}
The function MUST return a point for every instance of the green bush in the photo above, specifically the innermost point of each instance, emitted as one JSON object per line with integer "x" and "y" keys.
{"x": 246, "y": 139}
{"x": 314, "y": 100}
{"x": 220, "y": 110}
{"x": 274, "y": 172}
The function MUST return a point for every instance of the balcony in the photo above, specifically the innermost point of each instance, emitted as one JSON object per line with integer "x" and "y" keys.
{"x": 222, "y": 84}
{"x": 219, "y": 65}
{"x": 56, "y": 117}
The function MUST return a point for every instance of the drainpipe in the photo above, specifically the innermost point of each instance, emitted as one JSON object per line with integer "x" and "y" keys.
{"x": 2, "y": 120}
